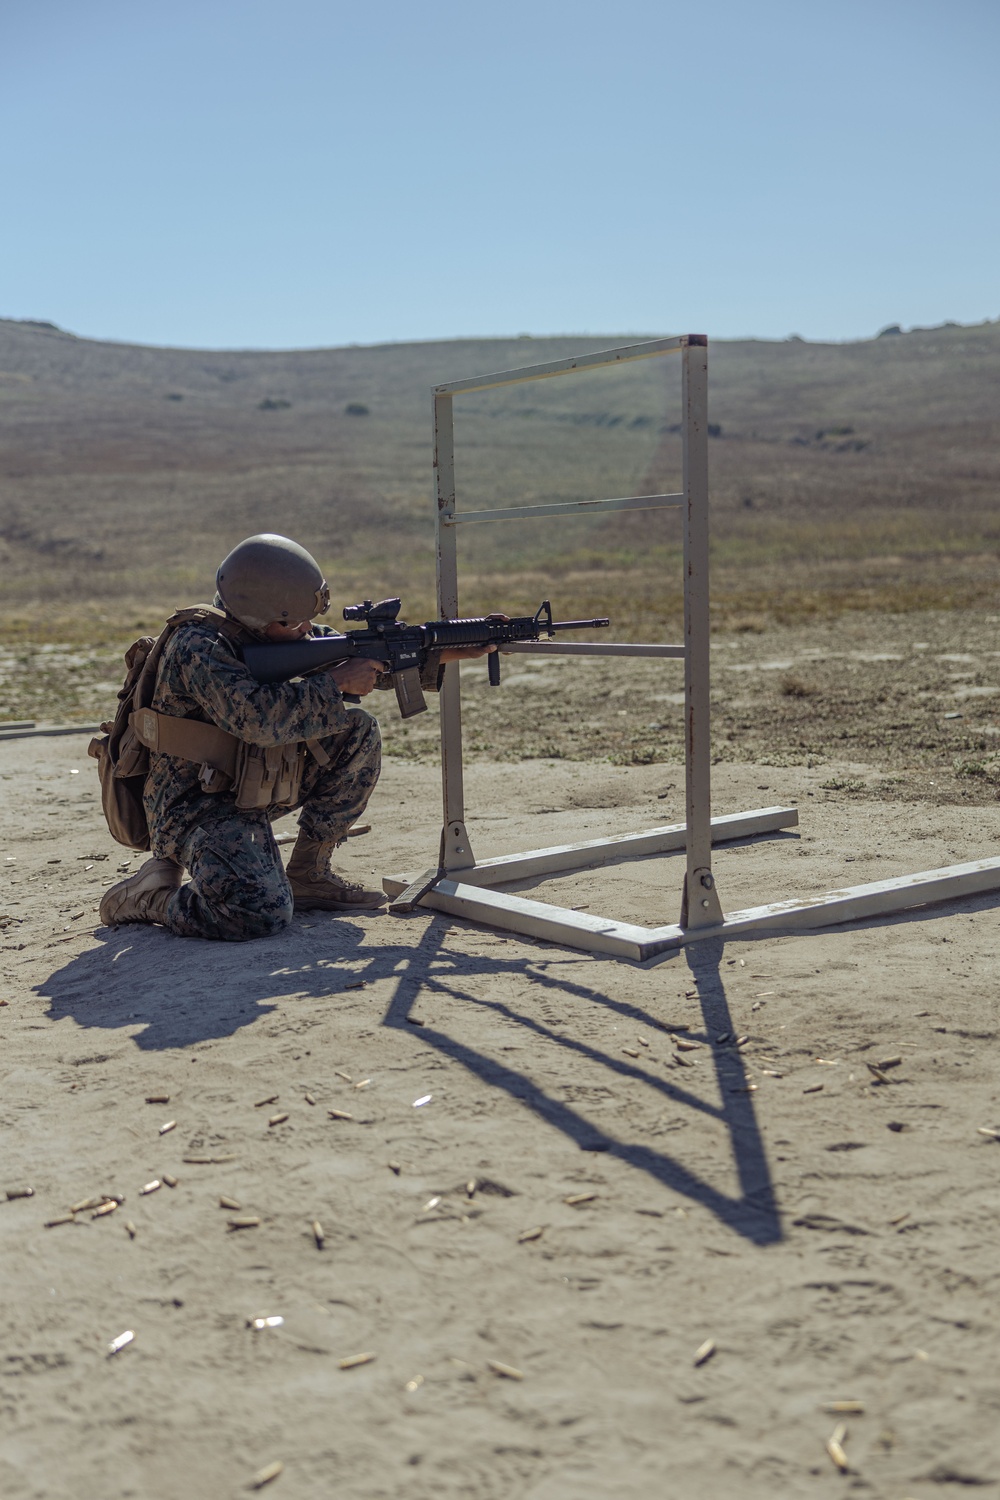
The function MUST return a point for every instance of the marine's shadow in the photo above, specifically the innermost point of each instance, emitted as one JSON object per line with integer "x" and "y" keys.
{"x": 131, "y": 979}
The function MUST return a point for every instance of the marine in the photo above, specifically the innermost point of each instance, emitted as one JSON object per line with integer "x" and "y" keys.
{"x": 270, "y": 589}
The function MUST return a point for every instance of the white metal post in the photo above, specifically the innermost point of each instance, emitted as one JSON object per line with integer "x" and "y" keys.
{"x": 700, "y": 900}
{"x": 456, "y": 852}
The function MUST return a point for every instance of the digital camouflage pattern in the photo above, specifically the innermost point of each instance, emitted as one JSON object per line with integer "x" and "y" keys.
{"x": 238, "y": 888}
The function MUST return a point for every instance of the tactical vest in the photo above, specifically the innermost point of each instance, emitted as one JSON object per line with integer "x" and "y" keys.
{"x": 259, "y": 775}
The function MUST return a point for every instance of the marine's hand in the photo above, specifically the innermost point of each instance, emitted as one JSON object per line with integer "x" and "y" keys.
{"x": 468, "y": 653}
{"x": 357, "y": 675}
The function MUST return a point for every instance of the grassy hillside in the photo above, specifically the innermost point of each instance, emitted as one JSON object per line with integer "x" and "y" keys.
{"x": 844, "y": 476}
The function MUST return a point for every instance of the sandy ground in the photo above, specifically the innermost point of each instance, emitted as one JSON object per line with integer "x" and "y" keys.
{"x": 833, "y": 1235}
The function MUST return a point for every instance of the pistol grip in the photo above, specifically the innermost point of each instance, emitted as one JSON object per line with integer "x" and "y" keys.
{"x": 493, "y": 667}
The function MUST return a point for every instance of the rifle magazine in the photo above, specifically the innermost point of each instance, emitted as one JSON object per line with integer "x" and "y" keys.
{"x": 409, "y": 693}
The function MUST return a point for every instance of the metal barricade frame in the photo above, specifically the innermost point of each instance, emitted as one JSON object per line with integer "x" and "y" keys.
{"x": 461, "y": 886}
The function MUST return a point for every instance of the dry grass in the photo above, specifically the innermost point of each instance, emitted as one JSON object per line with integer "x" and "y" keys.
{"x": 849, "y": 483}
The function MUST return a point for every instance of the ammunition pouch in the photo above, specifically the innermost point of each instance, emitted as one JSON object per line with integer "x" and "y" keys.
{"x": 269, "y": 775}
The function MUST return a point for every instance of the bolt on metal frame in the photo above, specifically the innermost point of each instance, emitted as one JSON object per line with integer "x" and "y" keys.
{"x": 462, "y": 886}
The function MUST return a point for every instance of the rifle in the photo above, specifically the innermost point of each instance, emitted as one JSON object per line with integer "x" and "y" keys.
{"x": 403, "y": 648}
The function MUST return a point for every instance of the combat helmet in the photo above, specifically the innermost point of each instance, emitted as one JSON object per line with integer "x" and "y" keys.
{"x": 270, "y": 577}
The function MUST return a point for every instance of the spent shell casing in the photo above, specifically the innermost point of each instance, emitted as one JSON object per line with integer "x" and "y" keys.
{"x": 85, "y": 1203}
{"x": 575, "y": 1198}
{"x": 318, "y": 1235}
{"x": 170, "y": 1125}
{"x": 356, "y": 1359}
{"x": 642, "y": 1041}
{"x": 309, "y": 1098}
{"x": 345, "y": 1076}
{"x": 225, "y": 1202}
{"x": 110, "y": 1207}
{"x": 814, "y": 1088}
{"x": 877, "y": 1073}
{"x": 837, "y": 1455}
{"x": 630, "y": 1052}
{"x": 993, "y": 1135}
{"x": 265, "y": 1321}
{"x": 470, "y": 1187}
{"x": 24, "y": 1192}
{"x": 839, "y": 1433}
{"x": 844, "y": 1408}
{"x": 151, "y": 1187}
{"x": 704, "y": 1352}
{"x": 277, "y": 1119}
{"x": 363, "y": 1084}
{"x": 394, "y": 1167}
{"x": 888, "y": 1062}
{"x": 509, "y": 1372}
{"x": 62, "y": 1219}
{"x": 530, "y": 1234}
{"x": 339, "y": 1114}
{"x": 169, "y": 1180}
{"x": 204, "y": 1161}
{"x": 265, "y": 1475}
{"x": 121, "y": 1342}
{"x": 157, "y": 1098}
{"x": 249, "y": 1222}
{"x": 131, "y": 1230}
{"x": 271, "y": 1099}
{"x": 414, "y": 1384}
{"x": 684, "y": 1044}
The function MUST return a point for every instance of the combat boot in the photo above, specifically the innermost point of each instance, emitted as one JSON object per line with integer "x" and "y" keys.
{"x": 142, "y": 897}
{"x": 316, "y": 888}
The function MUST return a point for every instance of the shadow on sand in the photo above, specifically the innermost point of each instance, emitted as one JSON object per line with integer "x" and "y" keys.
{"x": 129, "y": 981}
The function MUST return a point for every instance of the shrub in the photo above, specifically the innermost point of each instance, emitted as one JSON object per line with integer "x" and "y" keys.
{"x": 794, "y": 687}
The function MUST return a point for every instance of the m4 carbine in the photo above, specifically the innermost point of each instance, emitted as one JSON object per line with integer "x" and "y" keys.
{"x": 402, "y": 648}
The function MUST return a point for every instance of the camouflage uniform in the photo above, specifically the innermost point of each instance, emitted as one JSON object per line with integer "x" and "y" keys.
{"x": 238, "y": 887}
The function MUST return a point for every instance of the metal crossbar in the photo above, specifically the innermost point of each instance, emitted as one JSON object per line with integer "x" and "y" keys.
{"x": 564, "y": 508}
{"x": 464, "y": 887}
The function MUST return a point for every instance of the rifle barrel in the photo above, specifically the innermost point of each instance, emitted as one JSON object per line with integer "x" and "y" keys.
{"x": 581, "y": 624}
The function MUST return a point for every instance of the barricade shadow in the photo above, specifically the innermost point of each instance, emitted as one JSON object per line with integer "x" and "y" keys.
{"x": 753, "y": 1214}
{"x": 136, "y": 979}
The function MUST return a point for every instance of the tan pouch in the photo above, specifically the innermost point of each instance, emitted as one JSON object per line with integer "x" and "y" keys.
{"x": 269, "y": 775}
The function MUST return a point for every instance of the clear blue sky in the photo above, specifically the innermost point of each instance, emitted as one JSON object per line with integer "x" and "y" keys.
{"x": 288, "y": 173}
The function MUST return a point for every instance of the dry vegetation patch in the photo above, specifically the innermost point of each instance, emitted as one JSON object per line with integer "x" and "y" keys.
{"x": 854, "y": 526}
